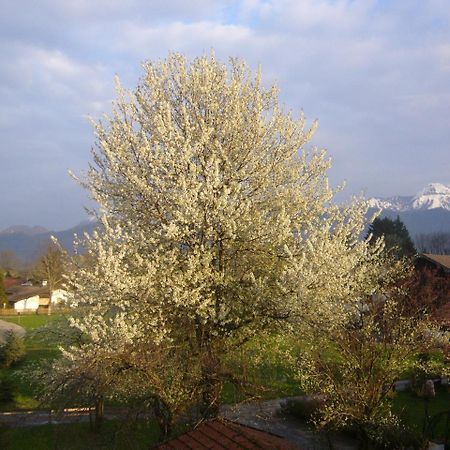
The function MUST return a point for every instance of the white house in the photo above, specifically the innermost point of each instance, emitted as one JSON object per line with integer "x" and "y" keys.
{"x": 58, "y": 296}
{"x": 30, "y": 303}
{"x": 30, "y": 298}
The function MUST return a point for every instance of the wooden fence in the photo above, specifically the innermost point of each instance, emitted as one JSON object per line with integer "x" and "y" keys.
{"x": 39, "y": 311}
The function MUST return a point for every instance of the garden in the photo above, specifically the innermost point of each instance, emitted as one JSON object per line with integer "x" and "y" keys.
{"x": 261, "y": 375}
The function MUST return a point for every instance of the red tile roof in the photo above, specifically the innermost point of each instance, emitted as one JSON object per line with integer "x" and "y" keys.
{"x": 9, "y": 282}
{"x": 221, "y": 434}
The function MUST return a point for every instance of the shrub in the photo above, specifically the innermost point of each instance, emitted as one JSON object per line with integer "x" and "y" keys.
{"x": 302, "y": 407}
{"x": 12, "y": 350}
{"x": 428, "y": 367}
{"x": 395, "y": 437}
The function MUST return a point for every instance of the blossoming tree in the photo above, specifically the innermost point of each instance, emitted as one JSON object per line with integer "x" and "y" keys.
{"x": 216, "y": 224}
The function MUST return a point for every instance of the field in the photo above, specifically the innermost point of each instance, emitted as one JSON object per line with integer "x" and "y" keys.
{"x": 412, "y": 410}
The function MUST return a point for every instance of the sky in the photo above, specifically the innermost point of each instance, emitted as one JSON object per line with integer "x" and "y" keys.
{"x": 376, "y": 75}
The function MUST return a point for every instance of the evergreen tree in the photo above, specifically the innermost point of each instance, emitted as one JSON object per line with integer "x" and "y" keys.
{"x": 12, "y": 350}
{"x": 396, "y": 236}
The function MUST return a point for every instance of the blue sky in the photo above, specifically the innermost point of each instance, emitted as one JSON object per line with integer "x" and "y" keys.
{"x": 375, "y": 73}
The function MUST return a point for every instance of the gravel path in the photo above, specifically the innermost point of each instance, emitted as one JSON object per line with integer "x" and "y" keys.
{"x": 266, "y": 416}
{"x": 6, "y": 327}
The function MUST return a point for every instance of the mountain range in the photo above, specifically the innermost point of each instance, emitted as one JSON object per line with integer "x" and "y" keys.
{"x": 432, "y": 196}
{"x": 29, "y": 242}
{"x": 426, "y": 212}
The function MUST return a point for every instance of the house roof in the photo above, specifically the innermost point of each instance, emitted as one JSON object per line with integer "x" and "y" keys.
{"x": 17, "y": 293}
{"x": 221, "y": 434}
{"x": 440, "y": 260}
{"x": 9, "y": 282}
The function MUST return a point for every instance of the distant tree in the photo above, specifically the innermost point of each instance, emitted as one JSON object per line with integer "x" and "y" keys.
{"x": 396, "y": 236}
{"x": 6, "y": 388}
{"x": 3, "y": 297}
{"x": 437, "y": 243}
{"x": 51, "y": 267}
{"x": 10, "y": 263}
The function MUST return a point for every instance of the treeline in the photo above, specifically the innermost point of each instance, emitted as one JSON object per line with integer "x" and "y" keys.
{"x": 437, "y": 243}
{"x": 398, "y": 240}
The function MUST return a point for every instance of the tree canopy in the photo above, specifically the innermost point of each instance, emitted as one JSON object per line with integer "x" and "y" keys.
{"x": 217, "y": 225}
{"x": 51, "y": 266}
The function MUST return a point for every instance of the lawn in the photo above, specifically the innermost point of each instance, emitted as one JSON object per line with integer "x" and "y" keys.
{"x": 24, "y": 395}
{"x": 113, "y": 435}
{"x": 31, "y": 321}
{"x": 412, "y": 409}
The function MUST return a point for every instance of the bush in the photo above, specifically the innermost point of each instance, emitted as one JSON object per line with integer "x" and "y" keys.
{"x": 302, "y": 407}
{"x": 395, "y": 437}
{"x": 428, "y": 368}
{"x": 12, "y": 350}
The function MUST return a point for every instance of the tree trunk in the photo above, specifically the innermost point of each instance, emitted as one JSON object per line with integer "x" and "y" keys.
{"x": 99, "y": 412}
{"x": 164, "y": 418}
{"x": 211, "y": 385}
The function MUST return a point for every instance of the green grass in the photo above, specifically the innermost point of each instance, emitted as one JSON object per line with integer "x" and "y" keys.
{"x": 412, "y": 409}
{"x": 113, "y": 435}
{"x": 31, "y": 321}
{"x": 266, "y": 375}
{"x": 24, "y": 392}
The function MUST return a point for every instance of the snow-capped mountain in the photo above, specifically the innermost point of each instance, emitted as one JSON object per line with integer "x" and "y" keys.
{"x": 433, "y": 196}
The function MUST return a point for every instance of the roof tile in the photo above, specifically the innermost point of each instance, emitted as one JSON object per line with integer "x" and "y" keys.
{"x": 221, "y": 434}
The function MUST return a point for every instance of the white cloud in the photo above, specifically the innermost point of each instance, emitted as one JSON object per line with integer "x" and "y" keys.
{"x": 375, "y": 73}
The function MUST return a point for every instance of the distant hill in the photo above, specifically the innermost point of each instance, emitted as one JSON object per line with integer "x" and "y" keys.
{"x": 24, "y": 229}
{"x": 28, "y": 242}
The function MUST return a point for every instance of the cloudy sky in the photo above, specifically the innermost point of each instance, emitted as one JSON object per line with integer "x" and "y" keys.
{"x": 375, "y": 73}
